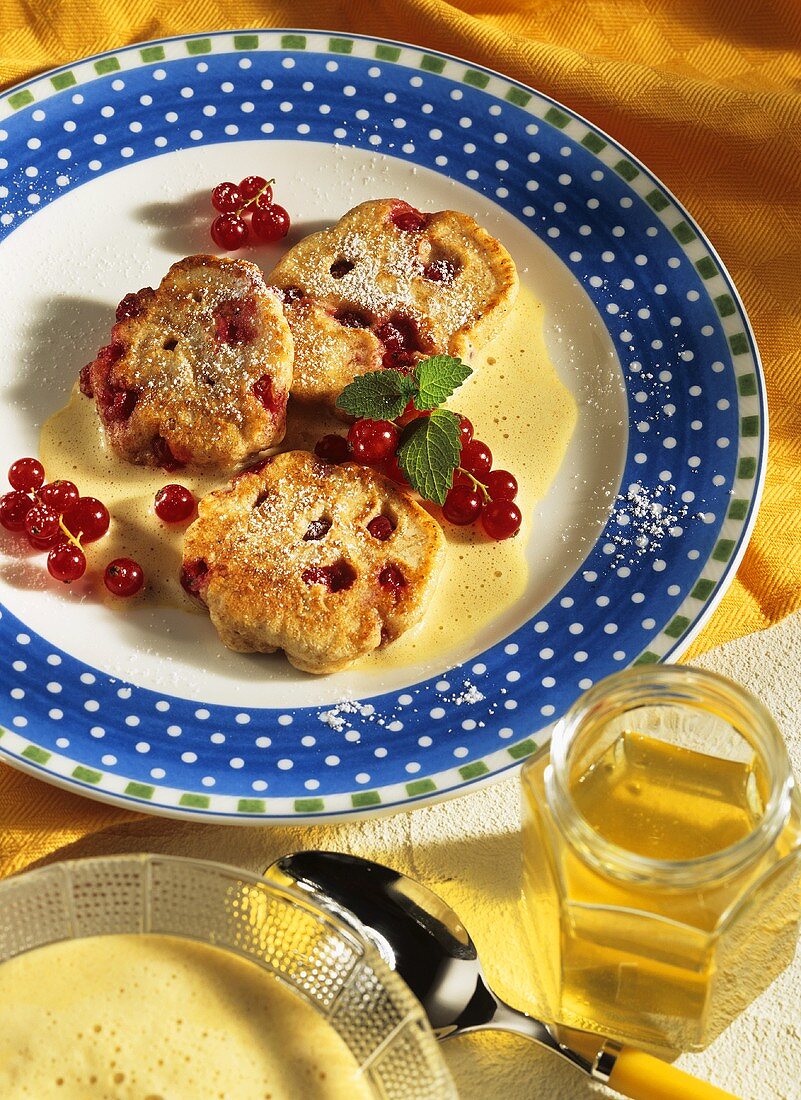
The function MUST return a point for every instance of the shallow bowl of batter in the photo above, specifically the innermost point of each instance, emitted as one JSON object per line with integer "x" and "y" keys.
{"x": 154, "y": 976}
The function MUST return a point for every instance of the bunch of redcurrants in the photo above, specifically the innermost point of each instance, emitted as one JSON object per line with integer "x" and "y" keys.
{"x": 478, "y": 491}
{"x": 252, "y": 196}
{"x": 56, "y": 518}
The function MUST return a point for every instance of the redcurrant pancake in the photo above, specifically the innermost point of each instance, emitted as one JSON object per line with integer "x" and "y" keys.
{"x": 197, "y": 372}
{"x": 325, "y": 562}
{"x": 386, "y": 286}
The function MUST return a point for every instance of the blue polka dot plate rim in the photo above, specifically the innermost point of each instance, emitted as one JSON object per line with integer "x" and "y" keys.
{"x": 102, "y": 164}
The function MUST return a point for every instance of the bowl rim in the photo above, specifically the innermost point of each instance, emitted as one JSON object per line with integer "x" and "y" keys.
{"x": 390, "y": 980}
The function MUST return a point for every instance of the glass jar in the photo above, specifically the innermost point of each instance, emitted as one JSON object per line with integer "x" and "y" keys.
{"x": 661, "y": 858}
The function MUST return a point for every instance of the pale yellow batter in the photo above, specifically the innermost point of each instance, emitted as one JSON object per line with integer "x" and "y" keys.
{"x": 517, "y": 404}
{"x": 160, "y": 1018}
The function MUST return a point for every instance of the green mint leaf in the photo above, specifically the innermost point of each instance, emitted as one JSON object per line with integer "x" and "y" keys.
{"x": 378, "y": 395}
{"x": 429, "y": 453}
{"x": 437, "y": 378}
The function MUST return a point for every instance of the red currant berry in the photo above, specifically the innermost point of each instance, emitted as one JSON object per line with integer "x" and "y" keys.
{"x": 26, "y": 474}
{"x": 270, "y": 223}
{"x": 230, "y": 232}
{"x": 42, "y": 522}
{"x": 89, "y": 518}
{"x": 195, "y": 578}
{"x": 391, "y": 577}
{"x": 14, "y": 507}
{"x": 226, "y": 198}
{"x": 123, "y": 577}
{"x": 462, "y": 506}
{"x": 501, "y": 485}
{"x": 465, "y": 431}
{"x": 265, "y": 198}
{"x": 409, "y": 219}
{"x": 461, "y": 478}
{"x": 59, "y": 495}
{"x": 391, "y": 469}
{"x": 410, "y": 413}
{"x": 372, "y": 441}
{"x": 441, "y": 271}
{"x": 381, "y": 527}
{"x": 66, "y": 562}
{"x": 332, "y": 448}
{"x": 174, "y": 504}
{"x": 250, "y": 186}
{"x": 501, "y": 519}
{"x": 476, "y": 458}
{"x": 45, "y": 543}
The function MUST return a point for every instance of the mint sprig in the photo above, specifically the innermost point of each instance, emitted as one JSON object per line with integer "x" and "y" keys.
{"x": 437, "y": 379}
{"x": 430, "y": 446}
{"x": 379, "y": 395}
{"x": 429, "y": 453}
{"x": 384, "y": 394}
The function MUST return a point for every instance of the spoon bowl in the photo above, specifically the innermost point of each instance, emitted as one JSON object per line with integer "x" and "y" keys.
{"x": 418, "y": 935}
{"x": 422, "y": 938}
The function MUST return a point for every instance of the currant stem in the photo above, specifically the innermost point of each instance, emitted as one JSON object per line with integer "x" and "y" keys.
{"x": 74, "y": 539}
{"x": 476, "y": 483}
{"x": 256, "y": 197}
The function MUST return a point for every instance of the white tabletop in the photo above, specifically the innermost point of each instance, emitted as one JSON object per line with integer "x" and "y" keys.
{"x": 469, "y": 851}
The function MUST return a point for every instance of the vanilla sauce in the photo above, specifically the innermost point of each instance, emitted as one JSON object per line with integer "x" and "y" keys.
{"x": 518, "y": 406}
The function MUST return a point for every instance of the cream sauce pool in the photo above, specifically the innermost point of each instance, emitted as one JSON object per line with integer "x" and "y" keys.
{"x": 518, "y": 405}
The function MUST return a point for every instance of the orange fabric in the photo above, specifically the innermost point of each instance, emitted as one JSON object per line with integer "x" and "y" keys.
{"x": 706, "y": 92}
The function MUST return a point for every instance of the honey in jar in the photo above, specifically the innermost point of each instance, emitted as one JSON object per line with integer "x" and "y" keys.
{"x": 662, "y": 835}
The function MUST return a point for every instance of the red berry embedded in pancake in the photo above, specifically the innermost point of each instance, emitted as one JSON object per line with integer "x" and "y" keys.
{"x": 289, "y": 293}
{"x": 235, "y": 321}
{"x": 408, "y": 218}
{"x": 264, "y": 392}
{"x": 195, "y": 577}
{"x": 353, "y": 318}
{"x": 391, "y": 577}
{"x": 336, "y": 578}
{"x": 317, "y": 529}
{"x": 440, "y": 271}
{"x": 340, "y": 268}
{"x": 381, "y": 528}
{"x": 119, "y": 403}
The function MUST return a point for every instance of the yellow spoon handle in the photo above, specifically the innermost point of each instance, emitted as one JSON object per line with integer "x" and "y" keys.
{"x": 643, "y": 1077}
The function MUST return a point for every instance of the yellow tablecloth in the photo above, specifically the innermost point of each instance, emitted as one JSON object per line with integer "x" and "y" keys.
{"x": 706, "y": 92}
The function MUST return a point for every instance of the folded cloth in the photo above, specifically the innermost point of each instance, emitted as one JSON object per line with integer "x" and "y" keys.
{"x": 706, "y": 94}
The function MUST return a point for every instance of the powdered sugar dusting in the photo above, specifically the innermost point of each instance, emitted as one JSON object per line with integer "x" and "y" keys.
{"x": 347, "y": 713}
{"x": 335, "y": 717}
{"x": 645, "y": 517}
{"x": 471, "y": 694}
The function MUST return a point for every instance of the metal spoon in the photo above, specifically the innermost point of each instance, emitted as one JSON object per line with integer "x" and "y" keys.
{"x": 422, "y": 938}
